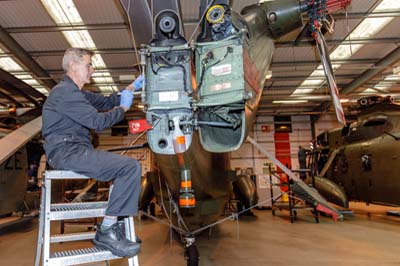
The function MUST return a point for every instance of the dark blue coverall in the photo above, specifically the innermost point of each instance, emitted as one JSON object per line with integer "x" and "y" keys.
{"x": 68, "y": 115}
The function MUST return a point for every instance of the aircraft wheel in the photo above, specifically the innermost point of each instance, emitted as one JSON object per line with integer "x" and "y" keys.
{"x": 192, "y": 255}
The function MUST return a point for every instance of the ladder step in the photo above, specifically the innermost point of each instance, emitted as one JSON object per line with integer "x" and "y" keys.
{"x": 65, "y": 211}
{"x": 72, "y": 237}
{"x": 80, "y": 256}
{"x": 61, "y": 175}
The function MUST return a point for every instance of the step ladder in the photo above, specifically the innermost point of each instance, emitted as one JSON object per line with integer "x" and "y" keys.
{"x": 63, "y": 211}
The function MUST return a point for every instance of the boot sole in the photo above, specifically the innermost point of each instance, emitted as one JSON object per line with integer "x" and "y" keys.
{"x": 114, "y": 251}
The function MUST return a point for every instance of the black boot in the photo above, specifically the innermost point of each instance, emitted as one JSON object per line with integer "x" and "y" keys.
{"x": 113, "y": 240}
{"x": 121, "y": 225}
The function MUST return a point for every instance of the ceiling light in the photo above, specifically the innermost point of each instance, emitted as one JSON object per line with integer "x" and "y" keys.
{"x": 302, "y": 91}
{"x": 10, "y": 65}
{"x": 269, "y": 74}
{"x": 366, "y": 29}
{"x": 127, "y": 77}
{"x": 369, "y": 91}
{"x": 65, "y": 13}
{"x": 80, "y": 38}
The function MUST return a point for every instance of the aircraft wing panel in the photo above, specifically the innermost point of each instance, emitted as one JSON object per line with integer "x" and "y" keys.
{"x": 18, "y": 138}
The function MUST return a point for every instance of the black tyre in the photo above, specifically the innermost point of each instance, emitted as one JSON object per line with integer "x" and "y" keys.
{"x": 192, "y": 256}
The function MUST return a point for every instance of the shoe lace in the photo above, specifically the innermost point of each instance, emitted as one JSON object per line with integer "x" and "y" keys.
{"x": 117, "y": 231}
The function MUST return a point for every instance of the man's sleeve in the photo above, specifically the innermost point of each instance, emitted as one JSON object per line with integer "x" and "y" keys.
{"x": 75, "y": 106}
{"x": 101, "y": 102}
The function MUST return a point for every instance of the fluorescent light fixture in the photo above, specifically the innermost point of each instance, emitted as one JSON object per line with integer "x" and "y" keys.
{"x": 42, "y": 90}
{"x": 289, "y": 101}
{"x": 386, "y": 83}
{"x": 28, "y": 79}
{"x": 388, "y": 5}
{"x": 64, "y": 12}
{"x": 269, "y": 74}
{"x": 369, "y": 91}
{"x": 302, "y": 91}
{"x": 10, "y": 65}
{"x": 108, "y": 89}
{"x": 129, "y": 78}
{"x": 366, "y": 29}
{"x": 392, "y": 78}
{"x": 80, "y": 38}
{"x": 312, "y": 82}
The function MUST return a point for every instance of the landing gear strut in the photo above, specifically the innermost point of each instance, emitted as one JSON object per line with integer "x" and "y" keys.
{"x": 191, "y": 252}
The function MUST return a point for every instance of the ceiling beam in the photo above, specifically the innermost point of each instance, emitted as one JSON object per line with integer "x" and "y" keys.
{"x": 108, "y": 26}
{"x": 119, "y": 26}
{"x": 310, "y": 42}
{"x": 390, "y": 59}
{"x": 11, "y": 99}
{"x": 23, "y": 57}
{"x": 10, "y": 88}
{"x": 20, "y": 86}
{"x": 337, "y": 16}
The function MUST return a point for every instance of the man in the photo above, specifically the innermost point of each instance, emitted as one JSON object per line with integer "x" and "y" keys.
{"x": 68, "y": 115}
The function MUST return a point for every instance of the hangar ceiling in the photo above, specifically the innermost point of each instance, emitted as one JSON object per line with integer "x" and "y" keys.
{"x": 364, "y": 51}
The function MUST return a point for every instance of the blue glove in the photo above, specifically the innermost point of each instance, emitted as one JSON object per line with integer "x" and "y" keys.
{"x": 138, "y": 83}
{"x": 126, "y": 99}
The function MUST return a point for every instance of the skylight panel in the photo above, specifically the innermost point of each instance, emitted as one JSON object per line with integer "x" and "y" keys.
{"x": 10, "y": 65}
{"x": 368, "y": 28}
{"x": 64, "y": 12}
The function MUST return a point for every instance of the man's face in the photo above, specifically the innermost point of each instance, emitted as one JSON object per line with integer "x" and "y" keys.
{"x": 84, "y": 70}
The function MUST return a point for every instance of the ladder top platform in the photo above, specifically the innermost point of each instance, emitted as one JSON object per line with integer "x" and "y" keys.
{"x": 59, "y": 174}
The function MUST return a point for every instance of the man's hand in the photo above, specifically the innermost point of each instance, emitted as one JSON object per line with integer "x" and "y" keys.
{"x": 126, "y": 99}
{"x": 136, "y": 84}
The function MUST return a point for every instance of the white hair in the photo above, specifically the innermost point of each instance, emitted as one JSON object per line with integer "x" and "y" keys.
{"x": 74, "y": 55}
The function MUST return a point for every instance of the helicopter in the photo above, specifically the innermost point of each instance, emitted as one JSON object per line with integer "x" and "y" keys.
{"x": 200, "y": 100}
{"x": 361, "y": 157}
{"x": 20, "y": 154}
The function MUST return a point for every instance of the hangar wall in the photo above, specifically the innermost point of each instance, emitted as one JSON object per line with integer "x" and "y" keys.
{"x": 263, "y": 132}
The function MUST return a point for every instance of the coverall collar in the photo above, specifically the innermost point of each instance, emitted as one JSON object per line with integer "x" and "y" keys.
{"x": 67, "y": 79}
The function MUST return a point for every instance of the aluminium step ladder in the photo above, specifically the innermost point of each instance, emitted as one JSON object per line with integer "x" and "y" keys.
{"x": 63, "y": 211}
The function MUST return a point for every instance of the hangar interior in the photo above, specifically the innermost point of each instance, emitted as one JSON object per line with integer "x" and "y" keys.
{"x": 295, "y": 109}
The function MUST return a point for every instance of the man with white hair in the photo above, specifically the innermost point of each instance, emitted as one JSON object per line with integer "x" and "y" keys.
{"x": 69, "y": 114}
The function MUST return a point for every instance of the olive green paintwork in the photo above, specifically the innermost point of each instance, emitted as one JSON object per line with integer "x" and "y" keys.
{"x": 367, "y": 163}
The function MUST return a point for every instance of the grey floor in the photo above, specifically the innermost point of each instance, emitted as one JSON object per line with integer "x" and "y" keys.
{"x": 369, "y": 237}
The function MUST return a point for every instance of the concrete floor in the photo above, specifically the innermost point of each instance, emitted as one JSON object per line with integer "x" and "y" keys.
{"x": 369, "y": 237}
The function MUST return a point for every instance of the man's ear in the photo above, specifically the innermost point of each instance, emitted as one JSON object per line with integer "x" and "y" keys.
{"x": 72, "y": 66}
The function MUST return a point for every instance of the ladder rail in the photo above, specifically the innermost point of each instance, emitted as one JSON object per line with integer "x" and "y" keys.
{"x": 40, "y": 231}
{"x": 46, "y": 223}
{"x": 130, "y": 234}
{"x": 61, "y": 211}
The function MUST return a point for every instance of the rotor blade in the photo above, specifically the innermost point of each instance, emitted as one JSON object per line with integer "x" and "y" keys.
{"x": 327, "y": 65}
